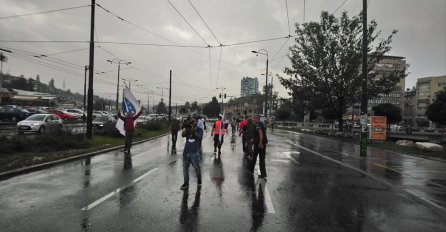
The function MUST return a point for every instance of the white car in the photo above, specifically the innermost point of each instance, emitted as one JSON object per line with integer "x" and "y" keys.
{"x": 40, "y": 123}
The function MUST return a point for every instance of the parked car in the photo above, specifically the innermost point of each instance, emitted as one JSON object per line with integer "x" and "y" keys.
{"x": 34, "y": 110}
{"x": 13, "y": 113}
{"x": 100, "y": 120}
{"x": 442, "y": 130}
{"x": 429, "y": 129}
{"x": 64, "y": 116}
{"x": 40, "y": 123}
{"x": 142, "y": 120}
{"x": 76, "y": 112}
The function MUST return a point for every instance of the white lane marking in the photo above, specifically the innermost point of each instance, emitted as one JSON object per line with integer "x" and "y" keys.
{"x": 288, "y": 155}
{"x": 268, "y": 201}
{"x": 140, "y": 154}
{"x": 401, "y": 188}
{"x": 102, "y": 199}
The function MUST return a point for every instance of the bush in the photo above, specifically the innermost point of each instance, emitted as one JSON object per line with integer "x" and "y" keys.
{"x": 153, "y": 125}
{"x": 43, "y": 143}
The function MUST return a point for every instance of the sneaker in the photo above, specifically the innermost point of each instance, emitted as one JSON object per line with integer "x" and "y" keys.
{"x": 184, "y": 186}
{"x": 199, "y": 183}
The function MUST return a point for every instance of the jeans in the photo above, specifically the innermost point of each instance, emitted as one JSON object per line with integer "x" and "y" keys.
{"x": 128, "y": 140}
{"x": 261, "y": 154}
{"x": 217, "y": 141}
{"x": 188, "y": 159}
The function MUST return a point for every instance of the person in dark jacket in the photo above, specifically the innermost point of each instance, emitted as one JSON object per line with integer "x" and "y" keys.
{"x": 129, "y": 127}
{"x": 194, "y": 135}
{"x": 260, "y": 141}
{"x": 174, "y": 128}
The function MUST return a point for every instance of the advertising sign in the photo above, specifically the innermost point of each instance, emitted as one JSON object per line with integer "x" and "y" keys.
{"x": 378, "y": 127}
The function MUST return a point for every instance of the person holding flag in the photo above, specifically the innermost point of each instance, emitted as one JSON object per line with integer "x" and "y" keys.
{"x": 126, "y": 124}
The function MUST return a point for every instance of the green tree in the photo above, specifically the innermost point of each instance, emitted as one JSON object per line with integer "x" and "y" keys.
{"x": 161, "y": 108}
{"x": 436, "y": 112}
{"x": 326, "y": 61}
{"x": 194, "y": 107}
{"x": 212, "y": 109}
{"x": 284, "y": 111}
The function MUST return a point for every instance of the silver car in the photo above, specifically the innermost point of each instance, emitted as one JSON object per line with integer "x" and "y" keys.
{"x": 40, "y": 123}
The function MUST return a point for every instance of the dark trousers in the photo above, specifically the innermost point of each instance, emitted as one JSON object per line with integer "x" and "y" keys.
{"x": 188, "y": 159}
{"x": 217, "y": 142}
{"x": 261, "y": 154}
{"x": 174, "y": 139}
{"x": 128, "y": 140}
{"x": 245, "y": 144}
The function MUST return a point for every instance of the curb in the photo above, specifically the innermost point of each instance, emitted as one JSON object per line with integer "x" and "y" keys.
{"x": 19, "y": 171}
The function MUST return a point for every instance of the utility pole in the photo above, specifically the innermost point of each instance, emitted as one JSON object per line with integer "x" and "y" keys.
{"x": 85, "y": 89}
{"x": 364, "y": 108}
{"x": 266, "y": 78}
{"x": 148, "y": 102}
{"x": 119, "y": 62}
{"x": 271, "y": 99}
{"x": 90, "y": 78}
{"x": 170, "y": 96}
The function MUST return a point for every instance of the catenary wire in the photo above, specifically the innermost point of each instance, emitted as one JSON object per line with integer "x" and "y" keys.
{"x": 196, "y": 32}
{"x": 204, "y": 22}
{"x": 43, "y": 12}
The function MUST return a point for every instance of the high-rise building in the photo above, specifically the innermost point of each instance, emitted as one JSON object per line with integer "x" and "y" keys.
{"x": 390, "y": 64}
{"x": 249, "y": 86}
{"x": 426, "y": 89}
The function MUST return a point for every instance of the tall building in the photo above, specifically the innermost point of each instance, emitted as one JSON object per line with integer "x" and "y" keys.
{"x": 249, "y": 86}
{"x": 426, "y": 89}
{"x": 385, "y": 66}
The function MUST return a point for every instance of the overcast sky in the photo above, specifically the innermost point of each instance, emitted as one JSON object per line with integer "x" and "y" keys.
{"x": 197, "y": 71}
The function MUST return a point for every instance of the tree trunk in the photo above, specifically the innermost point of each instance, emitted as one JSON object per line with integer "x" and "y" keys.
{"x": 341, "y": 122}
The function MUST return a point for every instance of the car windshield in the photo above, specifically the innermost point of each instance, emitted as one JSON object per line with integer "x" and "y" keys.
{"x": 100, "y": 119}
{"x": 36, "y": 117}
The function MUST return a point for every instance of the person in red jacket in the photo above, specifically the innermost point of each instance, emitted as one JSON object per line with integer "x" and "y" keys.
{"x": 129, "y": 127}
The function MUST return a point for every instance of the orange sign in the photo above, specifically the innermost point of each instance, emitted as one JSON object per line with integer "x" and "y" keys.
{"x": 378, "y": 127}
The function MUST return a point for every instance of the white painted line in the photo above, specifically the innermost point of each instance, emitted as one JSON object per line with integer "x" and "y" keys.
{"x": 102, "y": 199}
{"x": 140, "y": 154}
{"x": 288, "y": 155}
{"x": 411, "y": 193}
{"x": 268, "y": 201}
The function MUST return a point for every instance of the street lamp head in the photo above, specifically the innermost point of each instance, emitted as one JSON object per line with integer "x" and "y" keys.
{"x": 254, "y": 52}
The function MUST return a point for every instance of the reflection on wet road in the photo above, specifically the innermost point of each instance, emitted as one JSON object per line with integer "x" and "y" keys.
{"x": 314, "y": 184}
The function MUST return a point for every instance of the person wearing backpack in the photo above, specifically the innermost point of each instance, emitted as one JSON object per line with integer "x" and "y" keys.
{"x": 260, "y": 141}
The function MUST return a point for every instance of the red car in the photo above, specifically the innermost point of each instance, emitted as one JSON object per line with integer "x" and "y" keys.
{"x": 62, "y": 115}
{"x": 442, "y": 130}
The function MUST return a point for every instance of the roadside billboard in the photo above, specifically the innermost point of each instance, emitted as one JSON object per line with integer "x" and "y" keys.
{"x": 378, "y": 127}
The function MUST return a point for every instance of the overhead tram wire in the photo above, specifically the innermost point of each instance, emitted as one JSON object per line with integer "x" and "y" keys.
{"x": 196, "y": 32}
{"x": 44, "y": 12}
{"x": 334, "y": 12}
{"x": 29, "y": 59}
{"x": 204, "y": 22}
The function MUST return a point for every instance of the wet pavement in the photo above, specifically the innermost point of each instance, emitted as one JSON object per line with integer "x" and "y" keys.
{"x": 314, "y": 184}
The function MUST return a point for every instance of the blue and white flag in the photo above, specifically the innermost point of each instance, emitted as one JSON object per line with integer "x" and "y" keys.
{"x": 129, "y": 104}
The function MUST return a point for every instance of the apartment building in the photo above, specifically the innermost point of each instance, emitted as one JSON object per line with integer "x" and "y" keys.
{"x": 426, "y": 89}
{"x": 249, "y": 86}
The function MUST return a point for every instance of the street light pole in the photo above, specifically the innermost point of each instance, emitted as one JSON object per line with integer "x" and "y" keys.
{"x": 119, "y": 62}
{"x": 85, "y": 88}
{"x": 266, "y": 78}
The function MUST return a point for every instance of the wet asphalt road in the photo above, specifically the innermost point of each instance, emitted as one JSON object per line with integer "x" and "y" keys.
{"x": 314, "y": 184}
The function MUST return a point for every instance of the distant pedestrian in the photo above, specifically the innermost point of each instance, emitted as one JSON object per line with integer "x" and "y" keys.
{"x": 233, "y": 125}
{"x": 218, "y": 130}
{"x": 174, "y": 128}
{"x": 260, "y": 141}
{"x": 201, "y": 124}
{"x": 191, "y": 150}
{"x": 129, "y": 127}
{"x": 250, "y": 132}
{"x": 242, "y": 132}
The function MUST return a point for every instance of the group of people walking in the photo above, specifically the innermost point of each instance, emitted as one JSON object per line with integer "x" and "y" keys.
{"x": 252, "y": 131}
